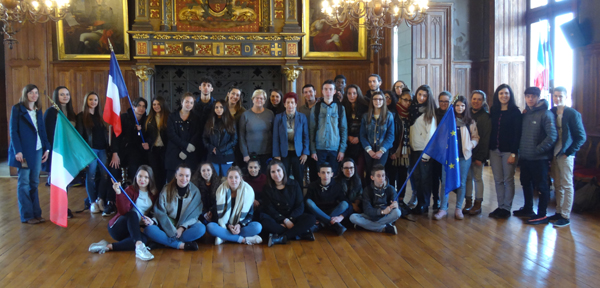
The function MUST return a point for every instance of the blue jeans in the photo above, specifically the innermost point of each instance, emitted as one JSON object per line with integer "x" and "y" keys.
{"x": 193, "y": 233}
{"x": 328, "y": 156}
{"x": 90, "y": 175}
{"x": 322, "y": 216}
{"x": 376, "y": 224}
{"x": 221, "y": 169}
{"x": 27, "y": 189}
{"x": 460, "y": 192}
{"x": 252, "y": 229}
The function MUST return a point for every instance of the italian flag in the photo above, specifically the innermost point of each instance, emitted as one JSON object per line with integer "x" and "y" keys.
{"x": 70, "y": 154}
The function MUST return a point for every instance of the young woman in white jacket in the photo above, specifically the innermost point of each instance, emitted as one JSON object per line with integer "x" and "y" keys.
{"x": 466, "y": 132}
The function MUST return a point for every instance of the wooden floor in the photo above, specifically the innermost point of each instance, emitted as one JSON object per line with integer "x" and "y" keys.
{"x": 478, "y": 251}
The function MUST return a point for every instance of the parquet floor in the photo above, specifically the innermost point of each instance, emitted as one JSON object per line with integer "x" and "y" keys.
{"x": 475, "y": 252}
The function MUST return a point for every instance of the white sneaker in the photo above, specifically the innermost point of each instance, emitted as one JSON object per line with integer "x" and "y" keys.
{"x": 100, "y": 203}
{"x": 99, "y": 247}
{"x": 218, "y": 241}
{"x": 143, "y": 253}
{"x": 253, "y": 240}
{"x": 94, "y": 208}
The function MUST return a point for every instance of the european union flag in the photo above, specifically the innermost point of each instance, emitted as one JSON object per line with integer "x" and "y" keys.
{"x": 443, "y": 147}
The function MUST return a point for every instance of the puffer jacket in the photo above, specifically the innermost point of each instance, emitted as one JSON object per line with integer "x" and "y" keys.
{"x": 538, "y": 135}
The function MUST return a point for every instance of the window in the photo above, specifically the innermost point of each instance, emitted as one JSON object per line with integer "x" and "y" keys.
{"x": 551, "y": 59}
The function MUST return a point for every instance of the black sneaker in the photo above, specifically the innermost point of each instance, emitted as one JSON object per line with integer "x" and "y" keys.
{"x": 307, "y": 236}
{"x": 190, "y": 246}
{"x": 503, "y": 214}
{"x": 538, "y": 220}
{"x": 555, "y": 217}
{"x": 522, "y": 212}
{"x": 562, "y": 222}
{"x": 109, "y": 209}
{"x": 495, "y": 213}
{"x": 390, "y": 229}
{"x": 436, "y": 205}
{"x": 69, "y": 214}
{"x": 338, "y": 228}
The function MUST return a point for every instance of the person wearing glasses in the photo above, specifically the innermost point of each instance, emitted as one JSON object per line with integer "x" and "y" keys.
{"x": 377, "y": 132}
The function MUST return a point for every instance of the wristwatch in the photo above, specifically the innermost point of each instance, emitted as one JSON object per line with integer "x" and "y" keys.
{"x": 513, "y": 155}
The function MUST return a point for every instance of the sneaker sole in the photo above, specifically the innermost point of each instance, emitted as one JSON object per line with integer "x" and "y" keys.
{"x": 143, "y": 259}
{"x": 561, "y": 225}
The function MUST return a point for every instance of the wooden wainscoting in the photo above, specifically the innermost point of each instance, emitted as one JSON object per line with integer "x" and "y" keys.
{"x": 461, "y": 78}
{"x": 587, "y": 87}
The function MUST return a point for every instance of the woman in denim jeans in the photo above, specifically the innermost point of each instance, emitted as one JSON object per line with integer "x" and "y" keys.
{"x": 467, "y": 136}
{"x": 377, "y": 132}
{"x": 504, "y": 146}
{"x": 94, "y": 131}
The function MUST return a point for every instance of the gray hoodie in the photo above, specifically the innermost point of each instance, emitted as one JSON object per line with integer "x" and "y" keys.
{"x": 538, "y": 135}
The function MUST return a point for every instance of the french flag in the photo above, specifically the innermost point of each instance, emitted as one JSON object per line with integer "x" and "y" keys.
{"x": 115, "y": 90}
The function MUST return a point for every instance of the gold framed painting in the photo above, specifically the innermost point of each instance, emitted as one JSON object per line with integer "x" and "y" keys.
{"x": 85, "y": 32}
{"x": 325, "y": 42}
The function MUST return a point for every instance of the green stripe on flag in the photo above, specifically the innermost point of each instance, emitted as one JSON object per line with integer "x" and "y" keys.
{"x": 67, "y": 142}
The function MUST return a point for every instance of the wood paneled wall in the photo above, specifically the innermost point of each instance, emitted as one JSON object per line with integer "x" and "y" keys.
{"x": 461, "y": 78}
{"x": 586, "y": 92}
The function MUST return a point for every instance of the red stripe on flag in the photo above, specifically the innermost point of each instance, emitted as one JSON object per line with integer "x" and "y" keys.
{"x": 59, "y": 204}
{"x": 111, "y": 117}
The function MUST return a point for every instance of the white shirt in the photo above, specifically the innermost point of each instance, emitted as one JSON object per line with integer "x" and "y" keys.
{"x": 33, "y": 116}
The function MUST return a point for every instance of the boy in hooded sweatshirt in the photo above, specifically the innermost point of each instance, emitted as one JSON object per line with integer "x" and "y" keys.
{"x": 538, "y": 136}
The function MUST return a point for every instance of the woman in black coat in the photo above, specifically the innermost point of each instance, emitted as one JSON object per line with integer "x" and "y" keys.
{"x": 220, "y": 138}
{"x": 183, "y": 130}
{"x": 283, "y": 214}
{"x": 157, "y": 139}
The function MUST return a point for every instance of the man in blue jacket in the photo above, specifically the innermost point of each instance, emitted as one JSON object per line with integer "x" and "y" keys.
{"x": 538, "y": 136}
{"x": 328, "y": 128}
{"x": 571, "y": 136}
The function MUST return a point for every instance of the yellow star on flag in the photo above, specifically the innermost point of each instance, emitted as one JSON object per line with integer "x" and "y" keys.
{"x": 451, "y": 166}
{"x": 453, "y": 133}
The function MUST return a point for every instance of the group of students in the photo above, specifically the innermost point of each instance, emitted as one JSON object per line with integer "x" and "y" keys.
{"x": 374, "y": 139}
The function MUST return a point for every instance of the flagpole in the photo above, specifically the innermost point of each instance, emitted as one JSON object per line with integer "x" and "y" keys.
{"x": 97, "y": 158}
{"x": 450, "y": 109}
{"x": 128, "y": 98}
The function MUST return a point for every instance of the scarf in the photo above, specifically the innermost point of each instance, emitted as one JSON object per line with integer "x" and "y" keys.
{"x": 415, "y": 110}
{"x": 243, "y": 204}
{"x": 403, "y": 152}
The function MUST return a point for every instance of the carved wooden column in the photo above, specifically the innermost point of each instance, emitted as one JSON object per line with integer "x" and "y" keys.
{"x": 142, "y": 17}
{"x": 291, "y": 17}
{"x": 291, "y": 73}
{"x": 146, "y": 82}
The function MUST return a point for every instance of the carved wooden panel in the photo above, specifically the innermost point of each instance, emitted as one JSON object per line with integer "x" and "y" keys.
{"x": 461, "y": 78}
{"x": 587, "y": 88}
{"x": 433, "y": 50}
{"x": 480, "y": 79}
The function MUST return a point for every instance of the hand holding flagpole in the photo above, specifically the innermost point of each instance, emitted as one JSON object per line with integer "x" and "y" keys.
{"x": 124, "y": 88}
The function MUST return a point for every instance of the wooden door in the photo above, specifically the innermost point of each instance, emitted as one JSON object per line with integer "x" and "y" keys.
{"x": 432, "y": 49}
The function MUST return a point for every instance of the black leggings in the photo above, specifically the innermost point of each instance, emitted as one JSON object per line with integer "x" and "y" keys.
{"x": 302, "y": 225}
{"x": 126, "y": 230}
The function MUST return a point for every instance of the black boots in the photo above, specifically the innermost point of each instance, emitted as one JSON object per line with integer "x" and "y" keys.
{"x": 276, "y": 239}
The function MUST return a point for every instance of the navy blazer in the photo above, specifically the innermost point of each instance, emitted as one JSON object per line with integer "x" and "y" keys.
{"x": 573, "y": 134}
{"x": 23, "y": 136}
{"x": 280, "y": 137}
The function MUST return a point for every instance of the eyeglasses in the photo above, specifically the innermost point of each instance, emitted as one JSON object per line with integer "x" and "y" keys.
{"x": 348, "y": 168}
{"x": 377, "y": 99}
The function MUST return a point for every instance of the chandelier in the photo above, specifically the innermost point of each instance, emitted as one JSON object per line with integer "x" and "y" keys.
{"x": 15, "y": 12}
{"x": 374, "y": 15}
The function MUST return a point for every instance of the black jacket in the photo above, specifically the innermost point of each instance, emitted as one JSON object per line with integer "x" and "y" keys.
{"x": 289, "y": 204}
{"x": 181, "y": 133}
{"x": 375, "y": 200}
{"x": 151, "y": 133}
{"x": 506, "y": 136}
{"x": 130, "y": 141}
{"x": 87, "y": 134}
{"x": 223, "y": 141}
{"x": 538, "y": 134}
{"x": 328, "y": 199}
{"x": 481, "y": 152}
{"x": 573, "y": 134}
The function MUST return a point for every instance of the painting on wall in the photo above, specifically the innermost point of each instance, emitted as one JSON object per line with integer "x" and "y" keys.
{"x": 218, "y": 15}
{"x": 90, "y": 26}
{"x": 324, "y": 41}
